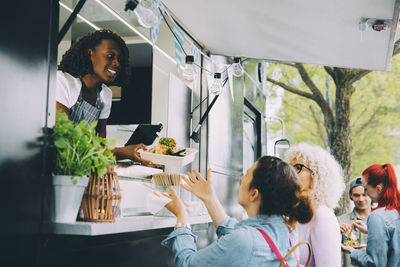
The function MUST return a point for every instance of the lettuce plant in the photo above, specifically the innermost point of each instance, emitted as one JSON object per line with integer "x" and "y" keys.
{"x": 78, "y": 150}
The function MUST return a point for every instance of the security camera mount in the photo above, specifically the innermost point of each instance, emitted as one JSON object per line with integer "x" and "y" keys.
{"x": 375, "y": 24}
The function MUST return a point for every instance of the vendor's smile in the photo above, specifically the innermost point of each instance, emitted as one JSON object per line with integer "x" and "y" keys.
{"x": 112, "y": 71}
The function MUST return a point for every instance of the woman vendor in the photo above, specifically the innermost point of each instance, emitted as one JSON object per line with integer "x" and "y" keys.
{"x": 95, "y": 61}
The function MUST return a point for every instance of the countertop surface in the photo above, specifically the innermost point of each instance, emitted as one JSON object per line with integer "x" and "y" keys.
{"x": 122, "y": 225}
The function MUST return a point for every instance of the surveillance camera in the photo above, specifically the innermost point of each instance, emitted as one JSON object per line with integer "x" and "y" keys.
{"x": 375, "y": 24}
{"x": 379, "y": 25}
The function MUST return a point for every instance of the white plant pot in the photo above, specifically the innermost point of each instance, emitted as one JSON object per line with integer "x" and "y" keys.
{"x": 67, "y": 197}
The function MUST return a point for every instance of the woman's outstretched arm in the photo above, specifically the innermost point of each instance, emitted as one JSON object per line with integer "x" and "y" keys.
{"x": 204, "y": 190}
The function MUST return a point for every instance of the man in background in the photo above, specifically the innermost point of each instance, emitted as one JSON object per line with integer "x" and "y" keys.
{"x": 360, "y": 212}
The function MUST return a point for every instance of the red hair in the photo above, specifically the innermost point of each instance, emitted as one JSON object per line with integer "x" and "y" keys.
{"x": 385, "y": 175}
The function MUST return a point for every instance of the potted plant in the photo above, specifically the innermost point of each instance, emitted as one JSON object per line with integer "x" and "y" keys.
{"x": 79, "y": 153}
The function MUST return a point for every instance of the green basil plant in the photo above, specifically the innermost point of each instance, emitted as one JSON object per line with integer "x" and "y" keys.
{"x": 79, "y": 151}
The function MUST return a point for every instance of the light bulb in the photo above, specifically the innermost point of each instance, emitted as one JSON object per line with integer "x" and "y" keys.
{"x": 237, "y": 67}
{"x": 146, "y": 3}
{"x": 147, "y": 13}
{"x": 189, "y": 72}
{"x": 216, "y": 86}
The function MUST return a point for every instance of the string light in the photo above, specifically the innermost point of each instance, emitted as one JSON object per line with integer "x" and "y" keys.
{"x": 147, "y": 13}
{"x": 216, "y": 86}
{"x": 237, "y": 67}
{"x": 145, "y": 10}
{"x": 189, "y": 72}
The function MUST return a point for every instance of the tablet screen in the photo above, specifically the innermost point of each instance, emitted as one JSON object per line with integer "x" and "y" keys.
{"x": 145, "y": 134}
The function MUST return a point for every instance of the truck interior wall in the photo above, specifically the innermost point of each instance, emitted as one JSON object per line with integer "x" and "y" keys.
{"x": 129, "y": 110}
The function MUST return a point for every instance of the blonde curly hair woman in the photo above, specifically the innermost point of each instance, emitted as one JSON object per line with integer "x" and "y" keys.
{"x": 321, "y": 178}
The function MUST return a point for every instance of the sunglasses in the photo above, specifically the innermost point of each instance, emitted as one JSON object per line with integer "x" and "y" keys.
{"x": 299, "y": 167}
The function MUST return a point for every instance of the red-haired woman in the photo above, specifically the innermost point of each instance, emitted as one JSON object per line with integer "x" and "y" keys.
{"x": 383, "y": 243}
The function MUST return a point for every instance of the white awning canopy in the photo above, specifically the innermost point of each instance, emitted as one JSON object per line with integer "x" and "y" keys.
{"x": 322, "y": 32}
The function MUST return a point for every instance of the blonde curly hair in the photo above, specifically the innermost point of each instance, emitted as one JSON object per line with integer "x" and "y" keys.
{"x": 327, "y": 176}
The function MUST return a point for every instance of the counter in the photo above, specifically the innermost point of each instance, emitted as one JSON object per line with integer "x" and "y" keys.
{"x": 133, "y": 206}
{"x": 123, "y": 225}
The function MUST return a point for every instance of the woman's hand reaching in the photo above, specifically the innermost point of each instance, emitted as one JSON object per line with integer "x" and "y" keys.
{"x": 176, "y": 206}
{"x": 200, "y": 187}
{"x": 204, "y": 190}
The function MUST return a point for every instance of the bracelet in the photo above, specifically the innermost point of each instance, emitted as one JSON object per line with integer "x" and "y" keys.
{"x": 180, "y": 225}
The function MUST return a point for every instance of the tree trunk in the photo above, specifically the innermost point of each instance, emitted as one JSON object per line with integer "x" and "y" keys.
{"x": 340, "y": 139}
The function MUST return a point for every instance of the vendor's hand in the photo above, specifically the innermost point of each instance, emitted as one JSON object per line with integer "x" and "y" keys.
{"x": 176, "y": 206}
{"x": 200, "y": 187}
{"x": 361, "y": 226}
{"x": 344, "y": 228}
{"x": 347, "y": 249}
{"x": 131, "y": 152}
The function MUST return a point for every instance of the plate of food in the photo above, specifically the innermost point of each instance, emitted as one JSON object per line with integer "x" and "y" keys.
{"x": 352, "y": 240}
{"x": 166, "y": 152}
{"x": 354, "y": 243}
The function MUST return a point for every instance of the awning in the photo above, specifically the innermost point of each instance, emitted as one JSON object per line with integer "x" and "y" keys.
{"x": 322, "y": 32}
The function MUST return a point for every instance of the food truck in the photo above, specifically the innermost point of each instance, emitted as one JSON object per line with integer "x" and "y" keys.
{"x": 215, "y": 112}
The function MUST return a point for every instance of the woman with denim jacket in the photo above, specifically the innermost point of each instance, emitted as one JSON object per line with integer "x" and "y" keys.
{"x": 270, "y": 194}
{"x": 383, "y": 224}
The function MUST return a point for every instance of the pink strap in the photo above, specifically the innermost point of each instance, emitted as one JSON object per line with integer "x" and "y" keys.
{"x": 272, "y": 246}
{"x": 275, "y": 249}
{"x": 292, "y": 244}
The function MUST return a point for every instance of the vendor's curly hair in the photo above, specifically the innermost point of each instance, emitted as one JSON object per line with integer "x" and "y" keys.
{"x": 76, "y": 61}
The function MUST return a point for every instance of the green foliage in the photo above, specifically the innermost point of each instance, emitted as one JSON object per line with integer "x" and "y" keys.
{"x": 375, "y": 119}
{"x": 79, "y": 151}
{"x": 303, "y": 117}
{"x": 375, "y": 109}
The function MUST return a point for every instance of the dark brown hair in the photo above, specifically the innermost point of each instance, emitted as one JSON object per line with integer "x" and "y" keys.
{"x": 76, "y": 61}
{"x": 280, "y": 190}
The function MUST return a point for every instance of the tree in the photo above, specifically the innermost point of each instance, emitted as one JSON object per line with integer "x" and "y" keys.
{"x": 336, "y": 115}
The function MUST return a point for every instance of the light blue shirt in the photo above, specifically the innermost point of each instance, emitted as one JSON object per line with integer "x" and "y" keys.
{"x": 238, "y": 244}
{"x": 383, "y": 243}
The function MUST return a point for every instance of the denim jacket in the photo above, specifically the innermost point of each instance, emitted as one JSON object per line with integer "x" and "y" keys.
{"x": 383, "y": 243}
{"x": 238, "y": 244}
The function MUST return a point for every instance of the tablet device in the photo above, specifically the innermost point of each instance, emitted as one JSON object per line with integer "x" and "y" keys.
{"x": 145, "y": 134}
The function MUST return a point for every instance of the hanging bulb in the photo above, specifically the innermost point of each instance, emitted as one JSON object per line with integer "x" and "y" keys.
{"x": 237, "y": 67}
{"x": 147, "y": 16}
{"x": 189, "y": 72}
{"x": 146, "y": 3}
{"x": 145, "y": 10}
{"x": 216, "y": 86}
